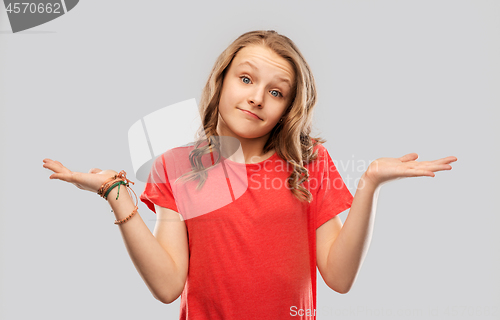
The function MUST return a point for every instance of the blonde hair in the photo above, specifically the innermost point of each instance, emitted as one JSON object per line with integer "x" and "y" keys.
{"x": 290, "y": 138}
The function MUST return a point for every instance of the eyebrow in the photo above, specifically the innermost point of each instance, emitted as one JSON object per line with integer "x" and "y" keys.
{"x": 255, "y": 68}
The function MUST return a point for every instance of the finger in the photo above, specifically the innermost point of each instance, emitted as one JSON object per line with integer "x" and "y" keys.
{"x": 62, "y": 176}
{"x": 49, "y": 165}
{"x": 55, "y": 166}
{"x": 433, "y": 166}
{"x": 441, "y": 168}
{"x": 421, "y": 173}
{"x": 449, "y": 159}
{"x": 409, "y": 157}
{"x": 428, "y": 170}
{"x": 94, "y": 170}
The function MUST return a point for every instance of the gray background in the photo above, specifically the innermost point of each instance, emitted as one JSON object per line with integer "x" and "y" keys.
{"x": 393, "y": 77}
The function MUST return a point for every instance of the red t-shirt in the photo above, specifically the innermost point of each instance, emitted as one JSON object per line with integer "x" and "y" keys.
{"x": 252, "y": 243}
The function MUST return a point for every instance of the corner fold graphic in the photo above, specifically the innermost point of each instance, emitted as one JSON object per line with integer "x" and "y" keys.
{"x": 27, "y": 15}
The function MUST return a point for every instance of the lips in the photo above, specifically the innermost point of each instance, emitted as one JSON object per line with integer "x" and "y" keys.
{"x": 251, "y": 113}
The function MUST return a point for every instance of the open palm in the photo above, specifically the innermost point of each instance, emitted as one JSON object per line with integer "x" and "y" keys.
{"x": 90, "y": 181}
{"x": 384, "y": 170}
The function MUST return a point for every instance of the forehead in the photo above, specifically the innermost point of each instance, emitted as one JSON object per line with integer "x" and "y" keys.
{"x": 264, "y": 59}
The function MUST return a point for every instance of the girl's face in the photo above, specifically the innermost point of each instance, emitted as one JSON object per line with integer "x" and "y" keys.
{"x": 258, "y": 81}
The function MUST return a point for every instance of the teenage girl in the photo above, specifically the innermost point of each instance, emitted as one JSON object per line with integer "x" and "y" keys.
{"x": 252, "y": 252}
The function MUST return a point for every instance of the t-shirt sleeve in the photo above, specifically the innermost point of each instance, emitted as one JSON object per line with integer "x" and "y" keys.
{"x": 158, "y": 190}
{"x": 332, "y": 196}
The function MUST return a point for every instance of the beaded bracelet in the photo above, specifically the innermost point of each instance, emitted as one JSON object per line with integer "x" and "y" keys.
{"x": 127, "y": 218}
{"x": 106, "y": 188}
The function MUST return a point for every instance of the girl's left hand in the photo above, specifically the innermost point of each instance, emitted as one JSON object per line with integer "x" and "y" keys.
{"x": 384, "y": 170}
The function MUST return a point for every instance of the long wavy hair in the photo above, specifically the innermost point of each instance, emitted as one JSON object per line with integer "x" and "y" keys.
{"x": 290, "y": 138}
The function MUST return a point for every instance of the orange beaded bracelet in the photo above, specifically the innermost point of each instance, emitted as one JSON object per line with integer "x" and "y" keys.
{"x": 127, "y": 218}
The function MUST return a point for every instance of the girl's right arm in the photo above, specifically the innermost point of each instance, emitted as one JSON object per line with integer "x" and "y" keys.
{"x": 161, "y": 259}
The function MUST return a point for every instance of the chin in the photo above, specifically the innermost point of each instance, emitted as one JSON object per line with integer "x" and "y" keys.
{"x": 248, "y": 134}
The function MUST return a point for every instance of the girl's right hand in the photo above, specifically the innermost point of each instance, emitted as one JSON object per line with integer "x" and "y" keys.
{"x": 91, "y": 181}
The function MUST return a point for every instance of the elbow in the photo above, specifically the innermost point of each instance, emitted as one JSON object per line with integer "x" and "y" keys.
{"x": 166, "y": 299}
{"x": 167, "y": 296}
{"x": 341, "y": 288}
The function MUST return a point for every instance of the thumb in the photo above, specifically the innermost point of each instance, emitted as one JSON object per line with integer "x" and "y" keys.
{"x": 409, "y": 157}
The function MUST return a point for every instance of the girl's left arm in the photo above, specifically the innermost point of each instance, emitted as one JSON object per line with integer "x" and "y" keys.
{"x": 350, "y": 246}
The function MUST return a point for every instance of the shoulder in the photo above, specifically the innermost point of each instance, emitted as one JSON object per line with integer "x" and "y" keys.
{"x": 317, "y": 166}
{"x": 321, "y": 150}
{"x": 177, "y": 152}
{"x": 173, "y": 159}
{"x": 319, "y": 146}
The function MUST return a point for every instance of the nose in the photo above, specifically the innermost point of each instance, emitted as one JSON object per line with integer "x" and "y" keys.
{"x": 256, "y": 97}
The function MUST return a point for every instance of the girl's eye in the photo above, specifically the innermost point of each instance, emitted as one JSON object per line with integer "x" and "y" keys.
{"x": 274, "y": 93}
{"x": 245, "y": 79}
{"x": 277, "y": 93}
